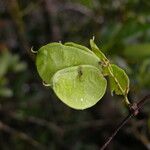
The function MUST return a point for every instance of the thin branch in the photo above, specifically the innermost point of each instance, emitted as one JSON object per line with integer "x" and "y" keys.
{"x": 134, "y": 110}
{"x": 52, "y": 126}
{"x": 4, "y": 127}
{"x": 37, "y": 121}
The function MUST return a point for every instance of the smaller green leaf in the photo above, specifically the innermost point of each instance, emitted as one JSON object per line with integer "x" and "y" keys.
{"x": 79, "y": 87}
{"x": 122, "y": 79}
{"x": 96, "y": 50}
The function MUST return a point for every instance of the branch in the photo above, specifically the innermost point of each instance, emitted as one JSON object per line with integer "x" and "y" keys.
{"x": 21, "y": 135}
{"x": 37, "y": 121}
{"x": 134, "y": 110}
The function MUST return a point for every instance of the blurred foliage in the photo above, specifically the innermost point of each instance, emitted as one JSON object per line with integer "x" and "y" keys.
{"x": 144, "y": 74}
{"x": 137, "y": 51}
{"x": 9, "y": 63}
{"x": 30, "y": 115}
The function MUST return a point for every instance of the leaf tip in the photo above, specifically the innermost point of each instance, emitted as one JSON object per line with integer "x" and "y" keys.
{"x": 33, "y": 51}
{"x": 93, "y": 38}
{"x": 46, "y": 84}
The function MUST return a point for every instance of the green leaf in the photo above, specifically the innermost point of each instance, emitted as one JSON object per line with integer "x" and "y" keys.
{"x": 56, "y": 56}
{"x": 96, "y": 50}
{"x": 72, "y": 44}
{"x": 122, "y": 80}
{"x": 138, "y": 51}
{"x": 79, "y": 87}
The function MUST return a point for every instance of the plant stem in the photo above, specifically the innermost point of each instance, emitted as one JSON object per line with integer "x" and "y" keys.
{"x": 134, "y": 110}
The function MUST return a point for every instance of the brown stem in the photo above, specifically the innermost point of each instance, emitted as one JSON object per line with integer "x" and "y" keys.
{"x": 134, "y": 110}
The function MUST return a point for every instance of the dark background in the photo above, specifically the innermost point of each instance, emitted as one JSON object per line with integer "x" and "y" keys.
{"x": 31, "y": 116}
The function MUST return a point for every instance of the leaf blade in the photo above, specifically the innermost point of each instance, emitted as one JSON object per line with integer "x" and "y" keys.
{"x": 121, "y": 78}
{"x": 79, "y": 87}
{"x": 55, "y": 56}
